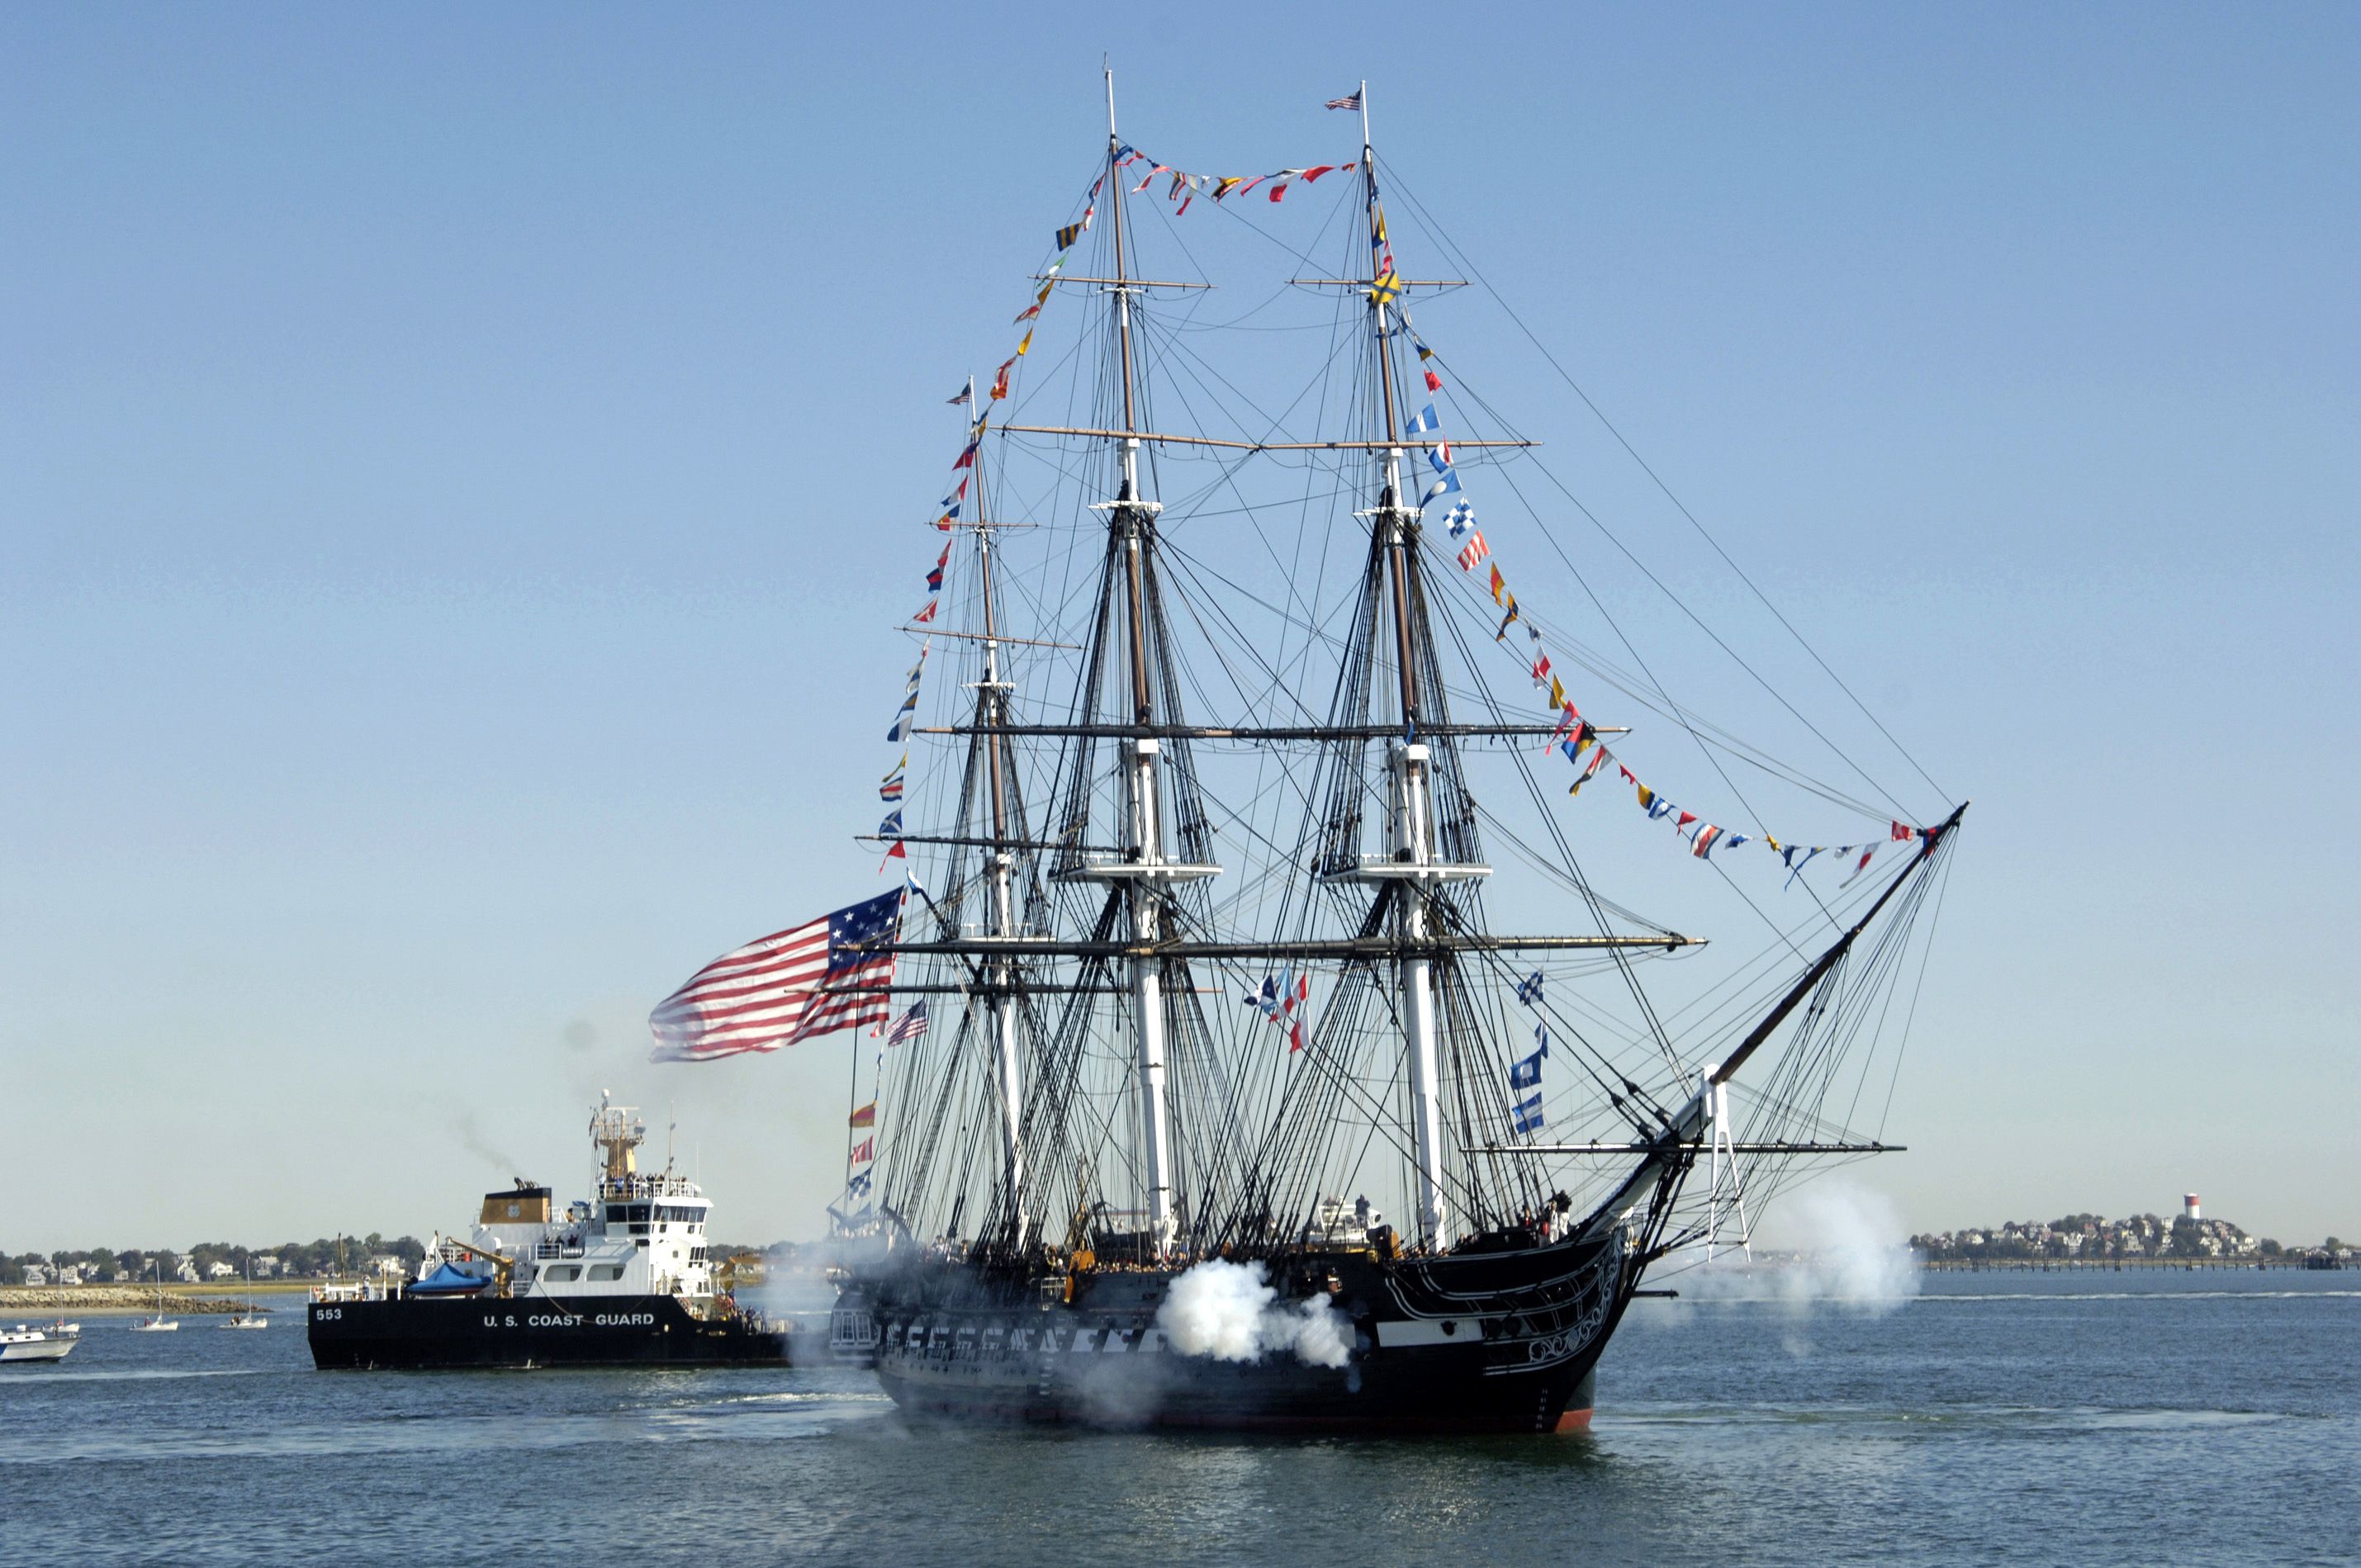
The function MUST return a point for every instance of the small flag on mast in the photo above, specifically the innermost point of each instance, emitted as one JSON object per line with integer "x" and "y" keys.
{"x": 909, "y": 1026}
{"x": 1353, "y": 101}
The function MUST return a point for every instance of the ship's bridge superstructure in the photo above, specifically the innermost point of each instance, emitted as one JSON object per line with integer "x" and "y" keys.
{"x": 639, "y": 1233}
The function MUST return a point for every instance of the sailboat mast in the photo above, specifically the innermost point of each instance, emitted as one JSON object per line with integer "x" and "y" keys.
{"x": 991, "y": 714}
{"x": 1412, "y": 839}
{"x": 1130, "y": 518}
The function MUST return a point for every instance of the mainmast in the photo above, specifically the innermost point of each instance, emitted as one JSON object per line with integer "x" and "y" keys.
{"x": 1131, "y": 516}
{"x": 1409, "y": 764}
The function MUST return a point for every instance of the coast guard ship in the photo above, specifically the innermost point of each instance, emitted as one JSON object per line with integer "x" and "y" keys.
{"x": 621, "y": 1278}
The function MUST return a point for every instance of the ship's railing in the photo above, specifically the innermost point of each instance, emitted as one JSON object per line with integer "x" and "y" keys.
{"x": 647, "y": 1184}
{"x": 555, "y": 1247}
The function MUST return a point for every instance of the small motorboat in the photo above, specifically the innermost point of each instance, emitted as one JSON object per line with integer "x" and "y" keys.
{"x": 51, "y": 1344}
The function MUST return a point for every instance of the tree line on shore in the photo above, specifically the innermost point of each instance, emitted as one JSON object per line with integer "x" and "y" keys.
{"x": 302, "y": 1260}
{"x": 2094, "y": 1237}
{"x": 324, "y": 1258}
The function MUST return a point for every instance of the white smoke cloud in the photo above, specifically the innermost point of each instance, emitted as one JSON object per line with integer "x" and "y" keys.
{"x": 1858, "y": 1252}
{"x": 1229, "y": 1312}
{"x": 1850, "y": 1252}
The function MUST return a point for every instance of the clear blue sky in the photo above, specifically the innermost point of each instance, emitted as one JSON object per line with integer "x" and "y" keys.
{"x": 448, "y": 458}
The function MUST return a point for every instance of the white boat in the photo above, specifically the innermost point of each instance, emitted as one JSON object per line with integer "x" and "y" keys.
{"x": 251, "y": 1317}
{"x": 52, "y": 1343}
{"x": 159, "y": 1324}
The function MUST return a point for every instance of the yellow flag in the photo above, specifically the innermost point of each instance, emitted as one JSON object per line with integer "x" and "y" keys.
{"x": 1557, "y": 693}
{"x": 1027, "y": 343}
{"x": 1647, "y": 798}
{"x": 1500, "y": 583}
{"x": 1386, "y": 290}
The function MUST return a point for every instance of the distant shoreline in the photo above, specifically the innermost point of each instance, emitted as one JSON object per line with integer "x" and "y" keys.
{"x": 194, "y": 1300}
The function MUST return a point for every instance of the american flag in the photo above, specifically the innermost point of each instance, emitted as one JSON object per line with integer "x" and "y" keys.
{"x": 1351, "y": 103}
{"x": 909, "y": 1026}
{"x": 825, "y": 975}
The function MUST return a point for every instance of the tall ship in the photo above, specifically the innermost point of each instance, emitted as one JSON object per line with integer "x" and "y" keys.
{"x": 622, "y": 1278}
{"x": 1228, "y": 1075}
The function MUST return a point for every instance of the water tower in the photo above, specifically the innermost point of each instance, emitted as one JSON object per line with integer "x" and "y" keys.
{"x": 2189, "y": 1208}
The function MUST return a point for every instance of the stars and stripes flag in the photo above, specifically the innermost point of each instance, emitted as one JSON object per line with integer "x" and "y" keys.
{"x": 813, "y": 979}
{"x": 909, "y": 1026}
{"x": 1351, "y": 102}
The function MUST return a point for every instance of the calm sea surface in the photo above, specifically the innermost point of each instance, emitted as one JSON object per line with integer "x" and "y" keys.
{"x": 2000, "y": 1417}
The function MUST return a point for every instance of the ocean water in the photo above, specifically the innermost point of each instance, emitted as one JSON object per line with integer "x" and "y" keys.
{"x": 2207, "y": 1418}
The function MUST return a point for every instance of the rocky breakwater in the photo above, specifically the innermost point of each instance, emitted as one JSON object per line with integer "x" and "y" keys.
{"x": 51, "y": 1299}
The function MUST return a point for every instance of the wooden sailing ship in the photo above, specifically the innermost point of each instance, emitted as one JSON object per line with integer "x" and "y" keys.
{"x": 1106, "y": 1190}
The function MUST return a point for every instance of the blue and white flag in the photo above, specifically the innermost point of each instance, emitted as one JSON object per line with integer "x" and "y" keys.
{"x": 1443, "y": 486}
{"x": 891, "y": 827}
{"x": 1525, "y": 1115}
{"x": 1529, "y": 990}
{"x": 1439, "y": 458}
{"x": 1462, "y": 518}
{"x": 1423, "y": 423}
{"x": 1526, "y": 1074}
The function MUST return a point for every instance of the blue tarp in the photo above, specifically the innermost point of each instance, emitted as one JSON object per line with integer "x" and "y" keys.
{"x": 448, "y": 1282}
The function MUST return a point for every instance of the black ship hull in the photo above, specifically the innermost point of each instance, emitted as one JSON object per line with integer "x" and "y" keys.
{"x": 418, "y": 1332}
{"x": 1504, "y": 1342}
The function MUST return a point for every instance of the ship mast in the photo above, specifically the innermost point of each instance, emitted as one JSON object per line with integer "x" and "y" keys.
{"x": 992, "y": 715}
{"x": 1412, "y": 840}
{"x": 1130, "y": 517}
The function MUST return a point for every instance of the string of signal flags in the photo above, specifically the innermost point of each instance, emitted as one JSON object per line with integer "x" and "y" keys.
{"x": 1185, "y": 188}
{"x": 1576, "y": 738}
